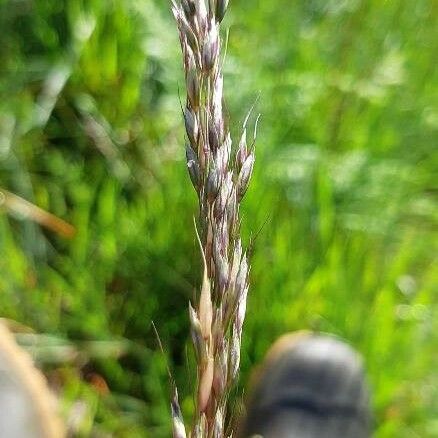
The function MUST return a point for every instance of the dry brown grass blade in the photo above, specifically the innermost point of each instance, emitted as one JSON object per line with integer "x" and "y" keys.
{"x": 26, "y": 209}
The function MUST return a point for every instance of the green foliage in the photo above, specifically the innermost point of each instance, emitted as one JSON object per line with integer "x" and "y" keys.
{"x": 342, "y": 200}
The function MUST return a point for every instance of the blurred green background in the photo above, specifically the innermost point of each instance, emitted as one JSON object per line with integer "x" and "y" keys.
{"x": 344, "y": 193}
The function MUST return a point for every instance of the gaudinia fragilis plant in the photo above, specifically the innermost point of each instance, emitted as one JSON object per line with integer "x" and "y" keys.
{"x": 220, "y": 175}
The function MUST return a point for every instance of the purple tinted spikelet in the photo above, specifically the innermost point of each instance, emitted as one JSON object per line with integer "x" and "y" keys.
{"x": 193, "y": 167}
{"x": 221, "y": 8}
{"x": 220, "y": 177}
{"x": 244, "y": 176}
{"x": 191, "y": 125}
{"x": 178, "y": 429}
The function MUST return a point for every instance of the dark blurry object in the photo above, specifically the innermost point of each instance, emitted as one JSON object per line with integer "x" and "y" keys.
{"x": 310, "y": 386}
